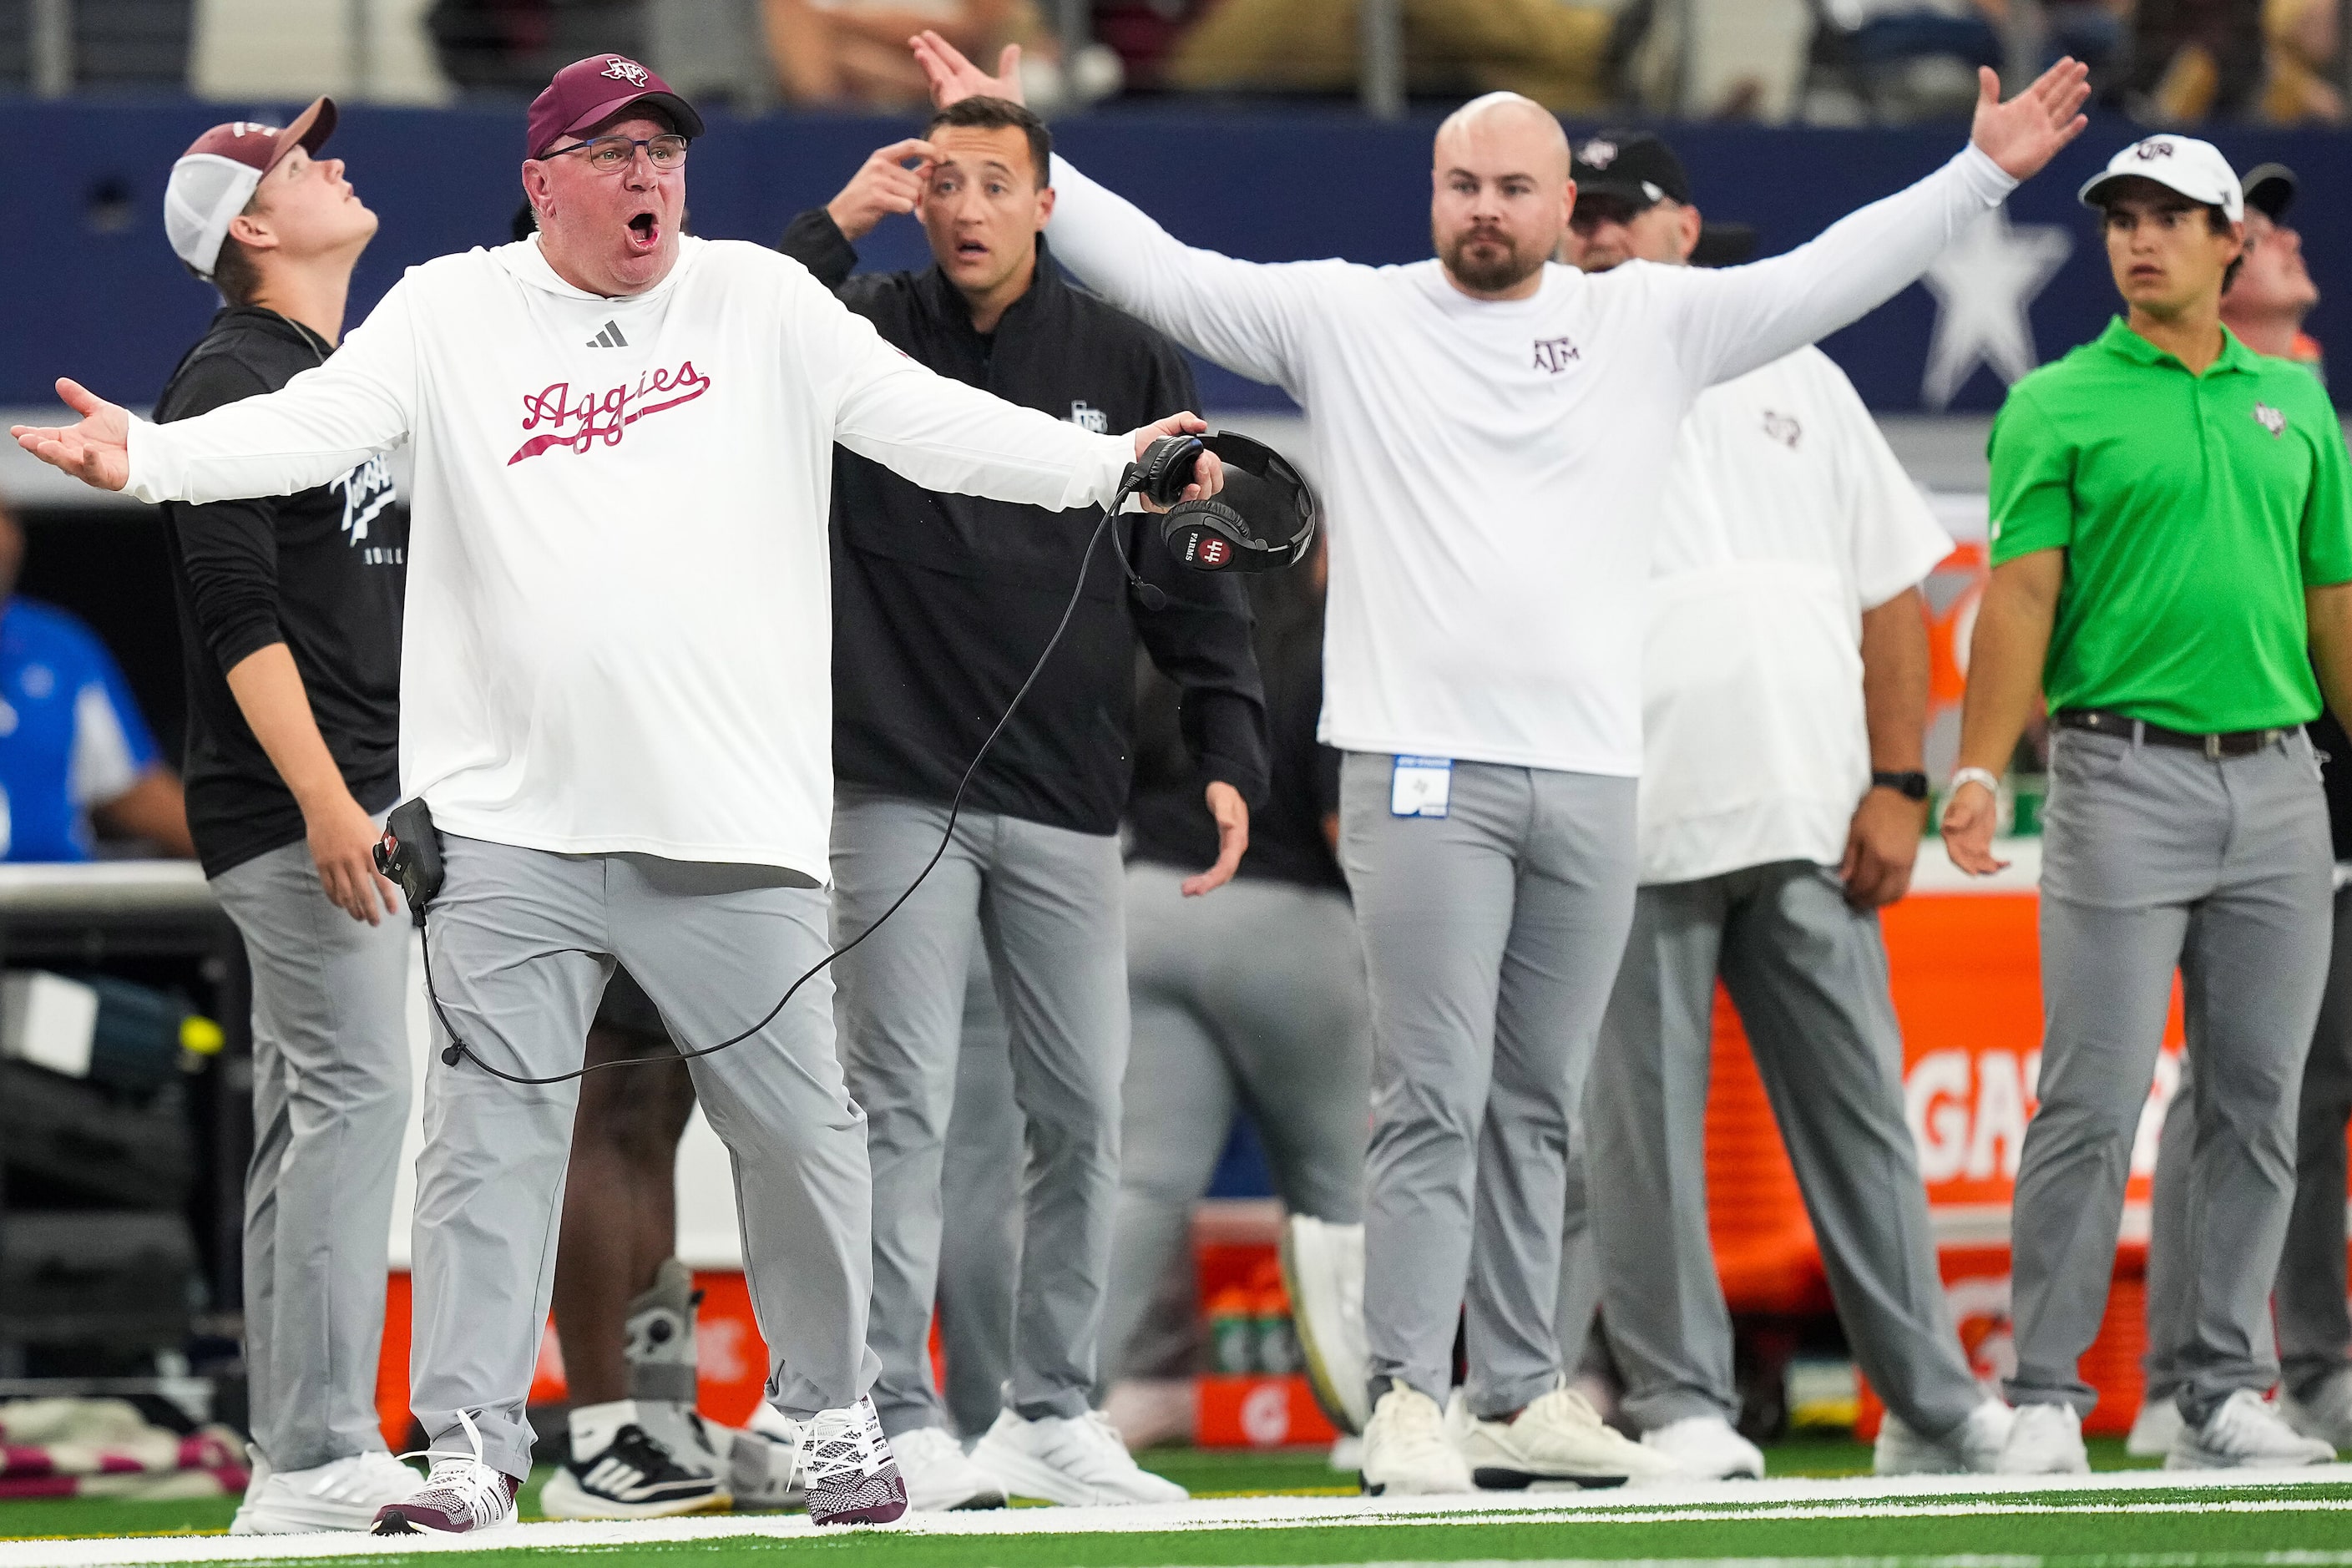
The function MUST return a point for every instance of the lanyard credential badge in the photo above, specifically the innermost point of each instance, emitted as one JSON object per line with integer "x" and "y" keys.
{"x": 1421, "y": 787}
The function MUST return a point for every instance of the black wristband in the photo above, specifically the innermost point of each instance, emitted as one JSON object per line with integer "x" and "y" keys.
{"x": 1910, "y": 786}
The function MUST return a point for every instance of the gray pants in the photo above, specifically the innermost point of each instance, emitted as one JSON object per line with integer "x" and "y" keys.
{"x": 1047, "y": 903}
{"x": 1809, "y": 976}
{"x": 2313, "y": 1324}
{"x": 2156, "y": 858}
{"x": 1491, "y": 936}
{"x": 1250, "y": 997}
{"x": 522, "y": 944}
{"x": 330, "y": 1081}
{"x": 980, "y": 1203}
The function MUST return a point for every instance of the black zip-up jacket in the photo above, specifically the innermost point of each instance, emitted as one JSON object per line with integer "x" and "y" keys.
{"x": 943, "y": 603}
{"x": 323, "y": 572}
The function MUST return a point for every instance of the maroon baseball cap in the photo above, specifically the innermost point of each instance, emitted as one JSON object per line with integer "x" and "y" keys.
{"x": 216, "y": 176}
{"x": 592, "y": 92}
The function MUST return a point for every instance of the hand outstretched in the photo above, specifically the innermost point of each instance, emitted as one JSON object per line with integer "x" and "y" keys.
{"x": 2026, "y": 132}
{"x": 97, "y": 451}
{"x": 952, "y": 77}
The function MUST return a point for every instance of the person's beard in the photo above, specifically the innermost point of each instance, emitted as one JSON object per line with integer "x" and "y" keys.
{"x": 1502, "y": 268}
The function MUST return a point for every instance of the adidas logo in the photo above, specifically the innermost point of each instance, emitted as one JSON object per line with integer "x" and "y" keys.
{"x": 610, "y": 337}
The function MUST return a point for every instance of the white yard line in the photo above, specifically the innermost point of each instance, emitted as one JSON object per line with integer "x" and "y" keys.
{"x": 2139, "y": 1491}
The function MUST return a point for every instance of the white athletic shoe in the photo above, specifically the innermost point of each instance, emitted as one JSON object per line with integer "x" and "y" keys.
{"x": 2155, "y": 1430}
{"x": 2327, "y": 1413}
{"x": 620, "y": 1470}
{"x": 848, "y": 1468}
{"x": 343, "y": 1494}
{"x": 1973, "y": 1448}
{"x": 1323, "y": 1269}
{"x": 763, "y": 1461}
{"x": 2044, "y": 1441}
{"x": 1072, "y": 1460}
{"x": 1558, "y": 1438}
{"x": 463, "y": 1496}
{"x": 1706, "y": 1449}
{"x": 1150, "y": 1411}
{"x": 940, "y": 1478}
{"x": 2245, "y": 1432}
{"x": 1408, "y": 1450}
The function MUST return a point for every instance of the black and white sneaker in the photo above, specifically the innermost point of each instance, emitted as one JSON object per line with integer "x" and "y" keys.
{"x": 631, "y": 1474}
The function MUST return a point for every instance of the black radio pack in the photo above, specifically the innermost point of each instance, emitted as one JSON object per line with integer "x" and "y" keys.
{"x": 409, "y": 855}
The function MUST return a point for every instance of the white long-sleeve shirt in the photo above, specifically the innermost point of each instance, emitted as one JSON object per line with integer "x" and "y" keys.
{"x": 1785, "y": 517}
{"x": 619, "y": 632}
{"x": 1491, "y": 470}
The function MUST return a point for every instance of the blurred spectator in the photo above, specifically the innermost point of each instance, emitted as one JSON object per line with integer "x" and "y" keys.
{"x": 2195, "y": 58}
{"x": 854, "y": 51}
{"x": 1883, "y": 32}
{"x": 74, "y": 750}
{"x": 511, "y": 46}
{"x": 2305, "y": 37}
{"x": 1554, "y": 51}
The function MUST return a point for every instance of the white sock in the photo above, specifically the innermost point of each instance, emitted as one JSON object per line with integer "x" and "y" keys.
{"x": 594, "y": 1426}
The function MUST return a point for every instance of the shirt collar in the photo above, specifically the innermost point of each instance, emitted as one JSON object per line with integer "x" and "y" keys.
{"x": 2122, "y": 342}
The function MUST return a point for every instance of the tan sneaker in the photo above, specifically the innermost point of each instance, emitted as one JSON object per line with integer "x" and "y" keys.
{"x": 1558, "y": 1438}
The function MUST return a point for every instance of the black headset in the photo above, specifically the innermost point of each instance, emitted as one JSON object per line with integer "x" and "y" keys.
{"x": 1262, "y": 521}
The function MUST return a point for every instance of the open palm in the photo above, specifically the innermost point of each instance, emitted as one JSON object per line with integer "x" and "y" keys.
{"x": 2026, "y": 132}
{"x": 953, "y": 78}
{"x": 97, "y": 451}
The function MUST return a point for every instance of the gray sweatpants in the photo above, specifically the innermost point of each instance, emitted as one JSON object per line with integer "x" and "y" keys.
{"x": 1809, "y": 976}
{"x": 1250, "y": 997}
{"x": 980, "y": 1212}
{"x": 2313, "y": 1323}
{"x": 330, "y": 1081}
{"x": 1045, "y": 902}
{"x": 2156, "y": 857}
{"x": 522, "y": 944}
{"x": 1491, "y": 936}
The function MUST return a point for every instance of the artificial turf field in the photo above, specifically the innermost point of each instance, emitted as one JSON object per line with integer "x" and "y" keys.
{"x": 1273, "y": 1511}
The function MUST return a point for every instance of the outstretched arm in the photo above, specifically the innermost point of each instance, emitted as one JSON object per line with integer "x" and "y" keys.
{"x": 353, "y": 406}
{"x": 1727, "y": 322}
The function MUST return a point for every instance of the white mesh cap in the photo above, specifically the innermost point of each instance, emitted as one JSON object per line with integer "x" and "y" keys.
{"x": 218, "y": 174}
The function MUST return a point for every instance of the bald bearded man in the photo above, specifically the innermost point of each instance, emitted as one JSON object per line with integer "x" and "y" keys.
{"x": 1492, "y": 431}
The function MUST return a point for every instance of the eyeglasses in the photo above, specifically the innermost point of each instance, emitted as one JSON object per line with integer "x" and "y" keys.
{"x": 611, "y": 154}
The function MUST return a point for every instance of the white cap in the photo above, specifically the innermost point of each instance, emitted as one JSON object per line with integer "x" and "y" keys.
{"x": 2183, "y": 164}
{"x": 218, "y": 174}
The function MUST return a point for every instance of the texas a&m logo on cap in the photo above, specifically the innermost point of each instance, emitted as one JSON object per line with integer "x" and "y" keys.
{"x": 627, "y": 70}
{"x": 1599, "y": 152}
{"x": 2153, "y": 148}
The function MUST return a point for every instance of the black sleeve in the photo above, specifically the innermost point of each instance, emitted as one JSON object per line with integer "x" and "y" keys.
{"x": 229, "y": 549}
{"x": 1200, "y": 638}
{"x": 816, "y": 242}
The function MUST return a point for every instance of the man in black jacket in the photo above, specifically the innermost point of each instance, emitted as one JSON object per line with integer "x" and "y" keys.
{"x": 291, "y": 617}
{"x": 941, "y": 603}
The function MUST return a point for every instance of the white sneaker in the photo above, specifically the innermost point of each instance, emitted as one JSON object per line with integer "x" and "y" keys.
{"x": 1407, "y": 1449}
{"x": 849, "y": 1469}
{"x": 343, "y": 1494}
{"x": 1072, "y": 1460}
{"x": 940, "y": 1478}
{"x": 763, "y": 1460}
{"x": 2044, "y": 1441}
{"x": 620, "y": 1468}
{"x": 463, "y": 1496}
{"x": 2155, "y": 1430}
{"x": 2245, "y": 1432}
{"x": 2327, "y": 1413}
{"x": 1560, "y": 1437}
{"x": 1148, "y": 1411}
{"x": 1323, "y": 1269}
{"x": 1974, "y": 1447}
{"x": 1706, "y": 1449}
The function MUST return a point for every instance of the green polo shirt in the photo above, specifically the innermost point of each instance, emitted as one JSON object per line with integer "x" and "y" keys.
{"x": 2194, "y": 510}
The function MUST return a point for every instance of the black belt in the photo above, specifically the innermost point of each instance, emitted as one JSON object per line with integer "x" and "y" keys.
{"x": 2231, "y": 744}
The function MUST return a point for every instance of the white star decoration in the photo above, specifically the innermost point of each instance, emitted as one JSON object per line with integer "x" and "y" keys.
{"x": 1982, "y": 285}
